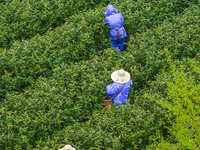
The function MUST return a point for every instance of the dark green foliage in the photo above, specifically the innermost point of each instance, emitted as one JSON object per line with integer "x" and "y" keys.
{"x": 62, "y": 77}
{"x": 46, "y": 103}
{"x": 2, "y": 2}
{"x": 142, "y": 15}
{"x": 27, "y": 18}
{"x": 125, "y": 128}
{"x": 81, "y": 36}
{"x": 76, "y": 40}
{"x": 71, "y": 94}
{"x": 179, "y": 34}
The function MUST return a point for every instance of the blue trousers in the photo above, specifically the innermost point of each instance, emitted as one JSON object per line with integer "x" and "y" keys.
{"x": 118, "y": 44}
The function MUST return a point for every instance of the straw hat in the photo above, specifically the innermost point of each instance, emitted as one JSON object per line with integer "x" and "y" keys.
{"x": 67, "y": 147}
{"x": 120, "y": 76}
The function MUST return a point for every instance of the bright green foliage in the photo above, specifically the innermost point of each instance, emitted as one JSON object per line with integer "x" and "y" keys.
{"x": 184, "y": 101}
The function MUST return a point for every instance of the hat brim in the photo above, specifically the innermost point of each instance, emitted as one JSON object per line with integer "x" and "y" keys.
{"x": 118, "y": 79}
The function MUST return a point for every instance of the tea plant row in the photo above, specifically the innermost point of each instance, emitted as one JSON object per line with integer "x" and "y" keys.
{"x": 82, "y": 35}
{"x": 75, "y": 91}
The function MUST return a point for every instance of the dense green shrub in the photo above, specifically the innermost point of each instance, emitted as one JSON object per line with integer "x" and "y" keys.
{"x": 81, "y": 36}
{"x": 143, "y": 15}
{"x": 108, "y": 128}
{"x": 75, "y": 90}
{"x": 70, "y": 95}
{"x": 27, "y": 18}
{"x": 51, "y": 104}
{"x": 125, "y": 128}
{"x": 181, "y": 96}
{"x": 179, "y": 34}
{"x": 76, "y": 40}
{"x": 24, "y": 19}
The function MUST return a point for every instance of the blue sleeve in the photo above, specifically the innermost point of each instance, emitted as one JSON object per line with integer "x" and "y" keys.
{"x": 112, "y": 89}
{"x": 122, "y": 19}
{"x": 106, "y": 20}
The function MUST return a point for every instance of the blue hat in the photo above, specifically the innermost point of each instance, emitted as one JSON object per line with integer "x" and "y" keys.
{"x": 110, "y": 10}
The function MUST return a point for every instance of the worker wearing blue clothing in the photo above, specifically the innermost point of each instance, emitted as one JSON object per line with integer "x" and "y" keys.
{"x": 115, "y": 22}
{"x": 121, "y": 83}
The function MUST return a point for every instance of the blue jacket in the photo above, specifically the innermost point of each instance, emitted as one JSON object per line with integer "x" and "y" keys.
{"x": 113, "y": 89}
{"x": 115, "y": 21}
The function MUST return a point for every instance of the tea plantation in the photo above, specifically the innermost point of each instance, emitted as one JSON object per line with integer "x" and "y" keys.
{"x": 56, "y": 60}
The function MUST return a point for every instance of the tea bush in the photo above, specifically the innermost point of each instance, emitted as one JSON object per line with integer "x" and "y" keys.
{"x": 82, "y": 92}
{"x": 70, "y": 95}
{"x": 37, "y": 118}
{"x": 182, "y": 92}
{"x": 143, "y": 15}
{"x": 25, "y": 19}
{"x": 80, "y": 37}
{"x": 125, "y": 128}
{"x": 45, "y": 103}
{"x": 179, "y": 34}
{"x": 111, "y": 129}
{"x": 75, "y": 41}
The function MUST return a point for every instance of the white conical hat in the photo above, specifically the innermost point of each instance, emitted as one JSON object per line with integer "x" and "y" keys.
{"x": 120, "y": 76}
{"x": 67, "y": 147}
